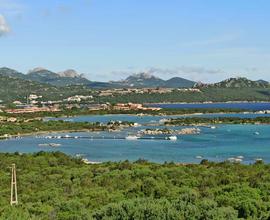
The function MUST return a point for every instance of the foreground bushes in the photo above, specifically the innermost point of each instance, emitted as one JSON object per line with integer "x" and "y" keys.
{"x": 55, "y": 186}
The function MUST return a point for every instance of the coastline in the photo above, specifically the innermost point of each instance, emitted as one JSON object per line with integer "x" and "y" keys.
{"x": 98, "y": 130}
{"x": 159, "y": 114}
{"x": 189, "y": 110}
{"x": 210, "y": 102}
{"x": 46, "y": 132}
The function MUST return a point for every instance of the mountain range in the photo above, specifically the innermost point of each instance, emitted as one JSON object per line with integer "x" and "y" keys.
{"x": 145, "y": 80}
{"x": 41, "y": 75}
{"x": 140, "y": 80}
{"x": 71, "y": 77}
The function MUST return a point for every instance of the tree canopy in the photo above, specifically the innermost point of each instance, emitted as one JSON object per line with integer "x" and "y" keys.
{"x": 56, "y": 186}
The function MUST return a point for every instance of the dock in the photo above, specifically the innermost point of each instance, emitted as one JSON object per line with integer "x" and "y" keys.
{"x": 172, "y": 138}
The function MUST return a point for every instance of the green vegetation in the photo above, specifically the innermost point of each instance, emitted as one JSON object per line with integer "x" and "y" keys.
{"x": 218, "y": 120}
{"x": 12, "y": 89}
{"x": 55, "y": 186}
{"x": 52, "y": 126}
{"x": 77, "y": 111}
{"x": 207, "y": 94}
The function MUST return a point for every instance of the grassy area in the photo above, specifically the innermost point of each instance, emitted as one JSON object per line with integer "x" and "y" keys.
{"x": 55, "y": 186}
{"x": 217, "y": 120}
{"x": 206, "y": 95}
{"x": 12, "y": 89}
{"x": 37, "y": 126}
{"x": 76, "y": 112}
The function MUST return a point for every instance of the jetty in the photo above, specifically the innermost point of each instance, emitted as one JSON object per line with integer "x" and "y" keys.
{"x": 130, "y": 138}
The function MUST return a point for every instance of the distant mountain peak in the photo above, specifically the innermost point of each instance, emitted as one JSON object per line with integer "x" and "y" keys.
{"x": 5, "y": 71}
{"x": 70, "y": 73}
{"x": 36, "y": 69}
{"x": 143, "y": 75}
{"x": 147, "y": 80}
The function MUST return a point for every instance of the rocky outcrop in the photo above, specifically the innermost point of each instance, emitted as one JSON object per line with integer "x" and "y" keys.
{"x": 184, "y": 131}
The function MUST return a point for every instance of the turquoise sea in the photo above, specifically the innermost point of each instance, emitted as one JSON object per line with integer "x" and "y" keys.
{"x": 250, "y": 142}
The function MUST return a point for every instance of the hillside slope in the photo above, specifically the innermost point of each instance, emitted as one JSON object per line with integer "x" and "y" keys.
{"x": 55, "y": 186}
{"x": 68, "y": 77}
{"x": 240, "y": 82}
{"x": 12, "y": 89}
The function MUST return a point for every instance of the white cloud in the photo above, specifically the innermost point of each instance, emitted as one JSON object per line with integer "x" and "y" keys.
{"x": 184, "y": 70}
{"x": 195, "y": 73}
{"x": 4, "y": 27}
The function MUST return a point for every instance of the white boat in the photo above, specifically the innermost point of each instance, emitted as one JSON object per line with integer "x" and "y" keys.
{"x": 54, "y": 145}
{"x": 49, "y": 145}
{"x": 136, "y": 124}
{"x": 234, "y": 160}
{"x": 132, "y": 137}
{"x": 238, "y": 160}
{"x": 43, "y": 145}
{"x": 213, "y": 127}
{"x": 257, "y": 133}
{"x": 172, "y": 138}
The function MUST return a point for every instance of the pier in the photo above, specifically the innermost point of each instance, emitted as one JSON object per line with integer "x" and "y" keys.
{"x": 130, "y": 138}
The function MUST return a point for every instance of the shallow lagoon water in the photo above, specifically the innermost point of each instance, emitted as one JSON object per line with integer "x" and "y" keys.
{"x": 213, "y": 144}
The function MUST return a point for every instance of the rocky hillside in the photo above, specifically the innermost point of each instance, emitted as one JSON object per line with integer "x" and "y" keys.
{"x": 14, "y": 88}
{"x": 239, "y": 82}
{"x": 42, "y": 75}
{"x": 145, "y": 80}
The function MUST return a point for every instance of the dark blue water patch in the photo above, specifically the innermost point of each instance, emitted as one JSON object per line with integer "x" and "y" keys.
{"x": 247, "y": 106}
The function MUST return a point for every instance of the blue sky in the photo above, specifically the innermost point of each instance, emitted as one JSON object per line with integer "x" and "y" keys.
{"x": 203, "y": 40}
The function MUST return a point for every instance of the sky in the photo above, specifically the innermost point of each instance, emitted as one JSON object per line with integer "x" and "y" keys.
{"x": 202, "y": 40}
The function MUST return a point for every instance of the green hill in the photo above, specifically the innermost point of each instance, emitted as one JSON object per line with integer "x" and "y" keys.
{"x": 209, "y": 94}
{"x": 12, "y": 89}
{"x": 4, "y": 71}
{"x": 55, "y": 186}
{"x": 240, "y": 82}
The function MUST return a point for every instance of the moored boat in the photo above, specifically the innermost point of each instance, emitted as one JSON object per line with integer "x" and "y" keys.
{"x": 132, "y": 137}
{"x": 172, "y": 138}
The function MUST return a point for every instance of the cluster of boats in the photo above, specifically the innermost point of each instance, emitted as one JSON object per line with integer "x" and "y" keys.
{"x": 135, "y": 137}
{"x": 49, "y": 145}
{"x": 60, "y": 137}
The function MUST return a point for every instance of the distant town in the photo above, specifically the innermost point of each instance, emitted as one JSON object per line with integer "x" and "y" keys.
{"x": 35, "y": 103}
